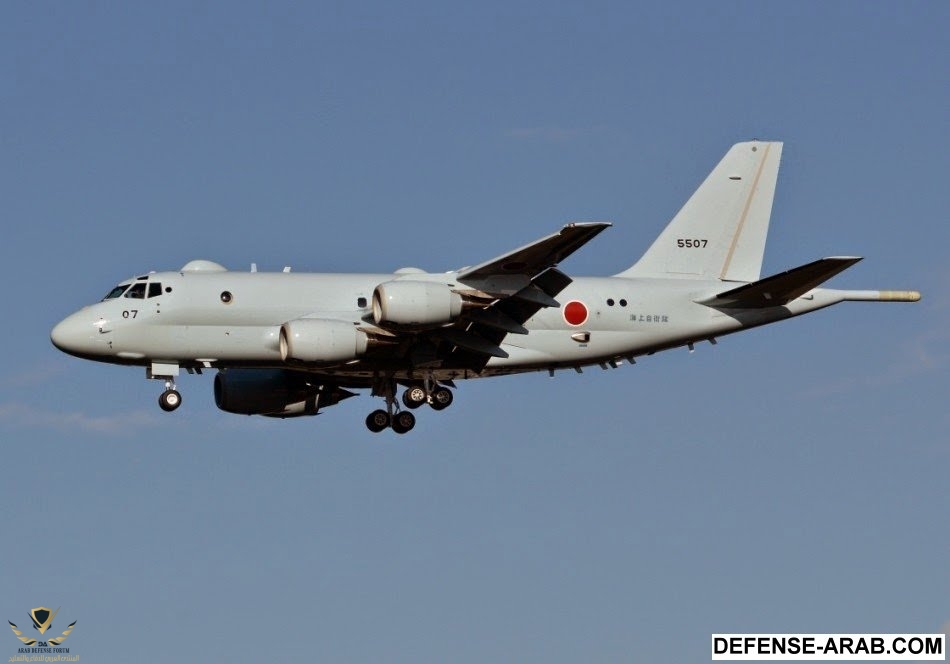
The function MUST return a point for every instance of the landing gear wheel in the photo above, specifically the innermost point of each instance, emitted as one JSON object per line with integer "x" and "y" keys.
{"x": 441, "y": 398}
{"x": 403, "y": 421}
{"x": 169, "y": 400}
{"x": 377, "y": 421}
{"x": 414, "y": 396}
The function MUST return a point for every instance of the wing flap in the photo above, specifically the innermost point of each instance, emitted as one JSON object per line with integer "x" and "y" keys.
{"x": 472, "y": 342}
{"x": 782, "y": 288}
{"x": 517, "y": 310}
{"x": 495, "y": 319}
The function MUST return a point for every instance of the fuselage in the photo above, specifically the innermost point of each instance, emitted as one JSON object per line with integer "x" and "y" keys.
{"x": 229, "y": 319}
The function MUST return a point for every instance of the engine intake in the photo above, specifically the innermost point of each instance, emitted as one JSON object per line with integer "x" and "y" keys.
{"x": 415, "y": 303}
{"x": 320, "y": 340}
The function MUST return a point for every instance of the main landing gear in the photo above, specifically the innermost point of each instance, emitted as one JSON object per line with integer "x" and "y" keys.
{"x": 402, "y": 421}
{"x": 416, "y": 395}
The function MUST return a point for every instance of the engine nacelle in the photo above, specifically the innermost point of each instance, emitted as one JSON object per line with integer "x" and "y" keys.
{"x": 321, "y": 340}
{"x": 264, "y": 392}
{"x": 415, "y": 303}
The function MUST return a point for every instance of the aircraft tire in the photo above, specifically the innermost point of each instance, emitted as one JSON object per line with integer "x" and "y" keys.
{"x": 377, "y": 421}
{"x": 169, "y": 400}
{"x": 403, "y": 421}
{"x": 441, "y": 398}
{"x": 414, "y": 396}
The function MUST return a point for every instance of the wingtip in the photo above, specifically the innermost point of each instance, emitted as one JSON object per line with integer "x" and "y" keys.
{"x": 853, "y": 259}
{"x": 589, "y": 224}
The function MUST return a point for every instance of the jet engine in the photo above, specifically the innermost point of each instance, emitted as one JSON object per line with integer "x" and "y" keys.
{"x": 272, "y": 392}
{"x": 415, "y": 303}
{"x": 321, "y": 340}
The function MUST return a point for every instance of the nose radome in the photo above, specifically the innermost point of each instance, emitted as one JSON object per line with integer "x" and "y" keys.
{"x": 74, "y": 334}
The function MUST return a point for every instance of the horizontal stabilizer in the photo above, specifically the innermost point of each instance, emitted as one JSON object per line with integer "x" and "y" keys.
{"x": 782, "y": 288}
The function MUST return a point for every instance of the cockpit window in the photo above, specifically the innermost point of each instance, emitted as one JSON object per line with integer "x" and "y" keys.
{"x": 115, "y": 292}
{"x": 137, "y": 291}
{"x": 154, "y": 289}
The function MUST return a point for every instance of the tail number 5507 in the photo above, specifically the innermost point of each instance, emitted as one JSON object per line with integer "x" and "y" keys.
{"x": 691, "y": 244}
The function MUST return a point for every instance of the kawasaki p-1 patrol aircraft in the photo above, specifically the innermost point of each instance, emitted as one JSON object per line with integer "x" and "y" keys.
{"x": 288, "y": 344}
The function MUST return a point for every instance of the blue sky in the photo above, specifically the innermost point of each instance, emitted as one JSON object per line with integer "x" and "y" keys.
{"x": 789, "y": 479}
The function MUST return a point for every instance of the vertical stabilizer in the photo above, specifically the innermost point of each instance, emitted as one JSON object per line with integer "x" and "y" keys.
{"x": 720, "y": 233}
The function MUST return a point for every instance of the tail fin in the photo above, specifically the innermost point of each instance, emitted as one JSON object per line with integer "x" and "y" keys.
{"x": 720, "y": 233}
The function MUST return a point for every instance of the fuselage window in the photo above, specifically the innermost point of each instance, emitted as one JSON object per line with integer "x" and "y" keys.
{"x": 115, "y": 292}
{"x": 154, "y": 289}
{"x": 137, "y": 291}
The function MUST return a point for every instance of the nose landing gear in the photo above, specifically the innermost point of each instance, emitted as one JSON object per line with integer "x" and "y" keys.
{"x": 170, "y": 399}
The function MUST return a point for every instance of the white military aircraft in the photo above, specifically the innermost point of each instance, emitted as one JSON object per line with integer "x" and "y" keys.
{"x": 288, "y": 344}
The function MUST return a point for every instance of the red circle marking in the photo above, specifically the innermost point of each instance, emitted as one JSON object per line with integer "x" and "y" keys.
{"x": 575, "y": 313}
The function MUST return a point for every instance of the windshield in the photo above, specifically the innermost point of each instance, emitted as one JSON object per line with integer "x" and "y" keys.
{"x": 137, "y": 291}
{"x": 115, "y": 292}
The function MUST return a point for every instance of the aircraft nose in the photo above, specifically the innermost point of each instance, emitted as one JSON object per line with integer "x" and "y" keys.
{"x": 76, "y": 334}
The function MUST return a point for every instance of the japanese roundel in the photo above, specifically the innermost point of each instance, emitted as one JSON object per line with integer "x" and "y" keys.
{"x": 575, "y": 313}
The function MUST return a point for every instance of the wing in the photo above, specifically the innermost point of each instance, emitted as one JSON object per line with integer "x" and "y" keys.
{"x": 510, "y": 289}
{"x": 532, "y": 259}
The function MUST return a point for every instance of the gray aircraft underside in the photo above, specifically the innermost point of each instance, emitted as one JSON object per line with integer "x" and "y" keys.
{"x": 288, "y": 344}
